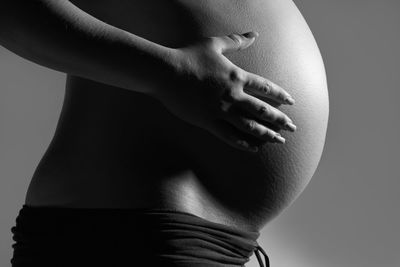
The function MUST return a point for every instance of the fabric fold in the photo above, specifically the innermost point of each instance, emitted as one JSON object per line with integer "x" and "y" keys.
{"x": 58, "y": 236}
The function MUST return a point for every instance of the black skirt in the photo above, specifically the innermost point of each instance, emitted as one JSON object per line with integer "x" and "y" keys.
{"x": 58, "y": 237}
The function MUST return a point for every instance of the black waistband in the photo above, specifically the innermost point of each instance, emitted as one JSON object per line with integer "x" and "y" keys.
{"x": 173, "y": 236}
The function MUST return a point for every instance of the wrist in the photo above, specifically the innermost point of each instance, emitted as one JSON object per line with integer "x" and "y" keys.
{"x": 173, "y": 61}
{"x": 169, "y": 69}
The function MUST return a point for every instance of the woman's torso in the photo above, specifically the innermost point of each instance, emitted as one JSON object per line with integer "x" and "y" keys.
{"x": 114, "y": 148}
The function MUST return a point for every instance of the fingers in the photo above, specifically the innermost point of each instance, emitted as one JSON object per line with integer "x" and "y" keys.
{"x": 264, "y": 87}
{"x": 262, "y": 111}
{"x": 233, "y": 137}
{"x": 234, "y": 42}
{"x": 251, "y": 126}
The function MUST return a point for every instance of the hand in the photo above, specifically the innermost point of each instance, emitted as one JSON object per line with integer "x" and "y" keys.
{"x": 209, "y": 93}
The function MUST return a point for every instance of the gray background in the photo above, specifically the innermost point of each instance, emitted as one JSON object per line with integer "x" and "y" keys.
{"x": 349, "y": 213}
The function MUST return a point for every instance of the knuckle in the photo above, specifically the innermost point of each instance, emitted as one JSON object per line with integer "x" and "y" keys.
{"x": 251, "y": 125}
{"x": 224, "y": 107}
{"x": 242, "y": 143}
{"x": 264, "y": 111}
{"x": 229, "y": 96}
{"x": 267, "y": 88}
{"x": 236, "y": 76}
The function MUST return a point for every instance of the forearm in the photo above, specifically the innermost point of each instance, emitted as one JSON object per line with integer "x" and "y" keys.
{"x": 59, "y": 35}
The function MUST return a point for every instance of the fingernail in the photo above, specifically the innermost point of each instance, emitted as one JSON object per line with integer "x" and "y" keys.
{"x": 290, "y": 126}
{"x": 279, "y": 139}
{"x": 251, "y": 35}
{"x": 289, "y": 100}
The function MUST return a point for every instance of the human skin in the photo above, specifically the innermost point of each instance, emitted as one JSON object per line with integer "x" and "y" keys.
{"x": 133, "y": 148}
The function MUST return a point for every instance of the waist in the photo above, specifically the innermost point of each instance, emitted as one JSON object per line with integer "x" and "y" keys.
{"x": 94, "y": 167}
{"x": 43, "y": 235}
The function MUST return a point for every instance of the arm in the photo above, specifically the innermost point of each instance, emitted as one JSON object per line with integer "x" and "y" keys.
{"x": 59, "y": 35}
{"x": 208, "y": 89}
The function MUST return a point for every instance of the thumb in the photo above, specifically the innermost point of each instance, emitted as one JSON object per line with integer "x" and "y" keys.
{"x": 236, "y": 42}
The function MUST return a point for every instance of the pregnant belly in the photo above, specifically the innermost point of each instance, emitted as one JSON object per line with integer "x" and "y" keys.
{"x": 254, "y": 187}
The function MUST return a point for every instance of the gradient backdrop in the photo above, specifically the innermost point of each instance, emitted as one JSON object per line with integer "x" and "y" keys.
{"x": 349, "y": 214}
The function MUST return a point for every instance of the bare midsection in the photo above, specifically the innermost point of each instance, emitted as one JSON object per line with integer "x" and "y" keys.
{"x": 125, "y": 148}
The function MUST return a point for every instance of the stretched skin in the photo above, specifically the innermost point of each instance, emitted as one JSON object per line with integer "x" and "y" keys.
{"x": 117, "y": 148}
